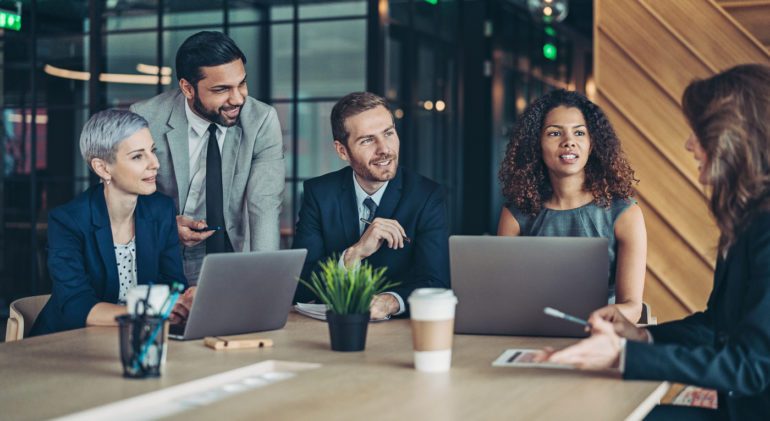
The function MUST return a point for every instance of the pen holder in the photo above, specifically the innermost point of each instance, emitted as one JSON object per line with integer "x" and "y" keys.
{"x": 142, "y": 345}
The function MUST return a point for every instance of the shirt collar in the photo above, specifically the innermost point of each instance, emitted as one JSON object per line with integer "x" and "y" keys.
{"x": 361, "y": 195}
{"x": 198, "y": 124}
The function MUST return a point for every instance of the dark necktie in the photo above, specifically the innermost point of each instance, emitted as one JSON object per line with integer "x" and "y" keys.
{"x": 215, "y": 215}
{"x": 369, "y": 203}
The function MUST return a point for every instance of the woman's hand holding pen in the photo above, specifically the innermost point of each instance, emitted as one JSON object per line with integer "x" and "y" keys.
{"x": 620, "y": 324}
{"x": 602, "y": 349}
{"x": 379, "y": 231}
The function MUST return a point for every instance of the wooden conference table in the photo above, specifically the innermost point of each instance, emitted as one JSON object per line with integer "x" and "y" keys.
{"x": 60, "y": 374}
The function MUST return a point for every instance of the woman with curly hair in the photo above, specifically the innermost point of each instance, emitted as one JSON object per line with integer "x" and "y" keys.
{"x": 565, "y": 175}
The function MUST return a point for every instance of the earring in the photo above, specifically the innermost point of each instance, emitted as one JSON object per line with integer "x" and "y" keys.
{"x": 107, "y": 181}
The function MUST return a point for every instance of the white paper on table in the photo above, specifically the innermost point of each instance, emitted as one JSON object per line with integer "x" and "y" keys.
{"x": 520, "y": 357}
{"x": 318, "y": 311}
{"x": 187, "y": 397}
{"x": 315, "y": 311}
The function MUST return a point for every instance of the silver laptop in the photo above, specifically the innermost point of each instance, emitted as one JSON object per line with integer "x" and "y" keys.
{"x": 241, "y": 293}
{"x": 503, "y": 283}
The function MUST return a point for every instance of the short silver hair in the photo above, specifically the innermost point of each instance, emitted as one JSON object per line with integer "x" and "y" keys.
{"x": 104, "y": 131}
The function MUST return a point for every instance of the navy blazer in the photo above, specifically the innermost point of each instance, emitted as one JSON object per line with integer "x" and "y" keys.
{"x": 726, "y": 347}
{"x": 329, "y": 223}
{"x": 81, "y": 255}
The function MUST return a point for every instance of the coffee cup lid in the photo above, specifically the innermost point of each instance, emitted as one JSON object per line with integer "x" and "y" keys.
{"x": 432, "y": 294}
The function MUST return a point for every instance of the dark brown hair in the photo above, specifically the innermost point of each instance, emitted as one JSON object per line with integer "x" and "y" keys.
{"x": 350, "y": 105}
{"x": 730, "y": 116}
{"x": 205, "y": 49}
{"x": 524, "y": 176}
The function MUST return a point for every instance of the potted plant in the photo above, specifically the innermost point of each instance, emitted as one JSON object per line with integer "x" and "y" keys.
{"x": 347, "y": 294}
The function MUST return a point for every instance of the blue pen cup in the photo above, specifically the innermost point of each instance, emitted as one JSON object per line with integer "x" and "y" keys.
{"x": 142, "y": 345}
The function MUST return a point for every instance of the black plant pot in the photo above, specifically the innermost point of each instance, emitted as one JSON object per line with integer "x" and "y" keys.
{"x": 347, "y": 331}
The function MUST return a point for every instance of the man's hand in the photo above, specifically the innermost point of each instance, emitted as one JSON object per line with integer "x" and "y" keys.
{"x": 182, "y": 307}
{"x": 383, "y": 305}
{"x": 380, "y": 231}
{"x": 187, "y": 236}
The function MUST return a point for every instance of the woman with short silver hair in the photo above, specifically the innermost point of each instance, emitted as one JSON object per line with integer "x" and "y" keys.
{"x": 117, "y": 234}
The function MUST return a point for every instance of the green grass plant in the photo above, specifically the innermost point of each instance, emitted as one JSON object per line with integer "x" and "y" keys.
{"x": 347, "y": 291}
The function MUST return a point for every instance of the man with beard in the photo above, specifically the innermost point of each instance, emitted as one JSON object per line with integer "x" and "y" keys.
{"x": 406, "y": 227}
{"x": 220, "y": 153}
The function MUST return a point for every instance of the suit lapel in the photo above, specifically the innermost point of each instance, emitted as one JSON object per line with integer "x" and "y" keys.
{"x": 145, "y": 230}
{"x": 230, "y": 148}
{"x": 177, "y": 140}
{"x": 391, "y": 197}
{"x": 719, "y": 274}
{"x": 103, "y": 232}
{"x": 349, "y": 207}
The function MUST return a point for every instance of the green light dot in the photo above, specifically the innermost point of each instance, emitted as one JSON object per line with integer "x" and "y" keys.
{"x": 549, "y": 51}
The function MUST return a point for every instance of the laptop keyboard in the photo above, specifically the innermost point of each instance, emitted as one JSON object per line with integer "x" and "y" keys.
{"x": 177, "y": 329}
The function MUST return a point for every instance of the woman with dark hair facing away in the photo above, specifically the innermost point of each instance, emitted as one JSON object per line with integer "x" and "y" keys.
{"x": 565, "y": 175}
{"x": 727, "y": 346}
{"x": 117, "y": 234}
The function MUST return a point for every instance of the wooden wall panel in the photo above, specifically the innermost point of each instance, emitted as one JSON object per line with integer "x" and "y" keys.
{"x": 673, "y": 67}
{"x": 671, "y": 260}
{"x": 752, "y": 15}
{"x": 663, "y": 304}
{"x": 645, "y": 54}
{"x": 682, "y": 206}
{"x": 713, "y": 36}
{"x": 658, "y": 116}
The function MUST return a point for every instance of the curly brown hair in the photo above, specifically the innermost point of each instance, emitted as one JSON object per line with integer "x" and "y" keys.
{"x": 524, "y": 176}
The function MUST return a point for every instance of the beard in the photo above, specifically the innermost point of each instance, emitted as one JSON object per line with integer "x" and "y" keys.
{"x": 214, "y": 116}
{"x": 364, "y": 171}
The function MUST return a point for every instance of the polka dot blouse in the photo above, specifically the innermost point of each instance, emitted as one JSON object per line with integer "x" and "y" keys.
{"x": 125, "y": 255}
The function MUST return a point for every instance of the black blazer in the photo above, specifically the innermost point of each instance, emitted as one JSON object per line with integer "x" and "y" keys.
{"x": 726, "y": 347}
{"x": 81, "y": 256}
{"x": 329, "y": 223}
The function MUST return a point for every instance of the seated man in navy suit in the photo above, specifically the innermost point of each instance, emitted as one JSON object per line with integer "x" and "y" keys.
{"x": 406, "y": 213}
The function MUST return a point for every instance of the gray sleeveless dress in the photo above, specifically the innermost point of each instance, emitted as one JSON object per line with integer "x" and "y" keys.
{"x": 586, "y": 221}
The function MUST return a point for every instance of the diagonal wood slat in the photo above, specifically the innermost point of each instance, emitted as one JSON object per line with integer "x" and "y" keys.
{"x": 664, "y": 305}
{"x": 645, "y": 54}
{"x": 752, "y": 15}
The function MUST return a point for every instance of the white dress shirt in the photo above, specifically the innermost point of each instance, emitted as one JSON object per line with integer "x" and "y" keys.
{"x": 197, "y": 138}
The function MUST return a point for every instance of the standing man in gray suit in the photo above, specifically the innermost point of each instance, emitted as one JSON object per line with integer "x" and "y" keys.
{"x": 220, "y": 153}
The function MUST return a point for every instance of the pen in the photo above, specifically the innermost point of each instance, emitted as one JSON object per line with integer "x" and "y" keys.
{"x": 167, "y": 306}
{"x": 209, "y": 228}
{"x": 561, "y": 315}
{"x": 368, "y": 222}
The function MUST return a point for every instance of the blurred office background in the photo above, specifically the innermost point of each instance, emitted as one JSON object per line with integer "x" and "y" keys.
{"x": 457, "y": 73}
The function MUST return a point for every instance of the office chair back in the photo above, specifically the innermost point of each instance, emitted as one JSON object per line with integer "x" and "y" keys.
{"x": 23, "y": 313}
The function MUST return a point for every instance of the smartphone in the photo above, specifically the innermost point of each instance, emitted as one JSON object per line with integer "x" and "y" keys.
{"x": 217, "y": 228}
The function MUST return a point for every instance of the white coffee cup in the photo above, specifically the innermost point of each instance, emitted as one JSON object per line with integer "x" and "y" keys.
{"x": 158, "y": 295}
{"x": 433, "y": 315}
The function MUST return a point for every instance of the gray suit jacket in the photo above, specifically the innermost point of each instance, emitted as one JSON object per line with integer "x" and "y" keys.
{"x": 252, "y": 166}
